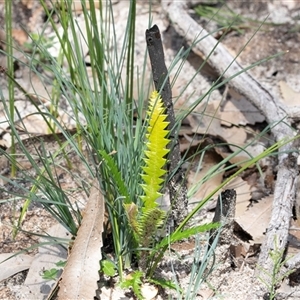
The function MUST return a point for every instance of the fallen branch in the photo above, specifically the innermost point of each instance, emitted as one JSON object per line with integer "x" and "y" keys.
{"x": 294, "y": 262}
{"x": 227, "y": 66}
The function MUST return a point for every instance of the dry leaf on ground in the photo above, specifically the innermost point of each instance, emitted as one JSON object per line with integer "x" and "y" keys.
{"x": 256, "y": 219}
{"x": 195, "y": 177}
{"x": 80, "y": 276}
{"x": 239, "y": 111}
{"x": 290, "y": 97}
{"x": 14, "y": 264}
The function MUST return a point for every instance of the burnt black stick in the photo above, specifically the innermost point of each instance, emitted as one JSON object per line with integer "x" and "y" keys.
{"x": 177, "y": 184}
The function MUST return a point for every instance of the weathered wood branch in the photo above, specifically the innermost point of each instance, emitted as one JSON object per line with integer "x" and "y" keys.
{"x": 284, "y": 200}
{"x": 176, "y": 184}
{"x": 294, "y": 262}
{"x": 225, "y": 64}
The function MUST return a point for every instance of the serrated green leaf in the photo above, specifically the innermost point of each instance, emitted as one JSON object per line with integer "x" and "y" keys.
{"x": 116, "y": 175}
{"x": 177, "y": 236}
{"x": 134, "y": 281}
{"x": 61, "y": 263}
{"x": 50, "y": 274}
{"x": 166, "y": 284}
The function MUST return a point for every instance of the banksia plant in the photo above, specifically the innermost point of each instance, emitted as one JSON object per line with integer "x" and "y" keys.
{"x": 146, "y": 222}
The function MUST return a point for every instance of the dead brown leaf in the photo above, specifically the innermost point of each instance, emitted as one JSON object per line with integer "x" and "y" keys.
{"x": 239, "y": 111}
{"x": 238, "y": 159}
{"x": 235, "y": 135}
{"x": 80, "y": 276}
{"x": 20, "y": 36}
{"x": 208, "y": 186}
{"x": 256, "y": 218}
{"x": 207, "y": 121}
{"x": 11, "y": 265}
{"x": 290, "y": 97}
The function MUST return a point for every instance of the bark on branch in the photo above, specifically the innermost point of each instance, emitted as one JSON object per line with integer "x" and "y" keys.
{"x": 225, "y": 214}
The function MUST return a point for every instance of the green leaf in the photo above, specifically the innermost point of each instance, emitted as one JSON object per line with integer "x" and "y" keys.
{"x": 108, "y": 268}
{"x": 50, "y": 274}
{"x": 177, "y": 236}
{"x": 115, "y": 175}
{"x": 134, "y": 281}
{"x": 61, "y": 263}
{"x": 166, "y": 284}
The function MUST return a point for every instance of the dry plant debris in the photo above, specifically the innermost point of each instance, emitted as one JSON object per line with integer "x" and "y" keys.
{"x": 85, "y": 251}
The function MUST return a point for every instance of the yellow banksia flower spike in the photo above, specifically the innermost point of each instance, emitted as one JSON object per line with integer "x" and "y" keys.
{"x": 156, "y": 150}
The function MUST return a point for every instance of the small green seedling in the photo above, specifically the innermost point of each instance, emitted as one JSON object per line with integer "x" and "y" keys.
{"x": 273, "y": 280}
{"x": 134, "y": 281}
{"x": 53, "y": 273}
{"x": 108, "y": 268}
